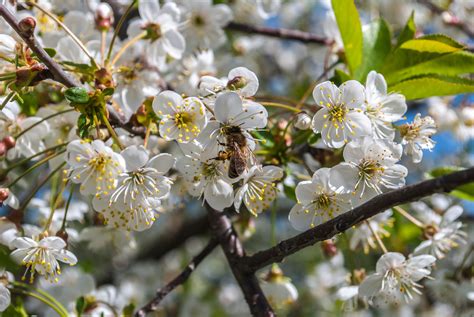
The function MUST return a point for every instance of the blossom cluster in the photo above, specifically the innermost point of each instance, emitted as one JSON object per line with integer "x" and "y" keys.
{"x": 151, "y": 128}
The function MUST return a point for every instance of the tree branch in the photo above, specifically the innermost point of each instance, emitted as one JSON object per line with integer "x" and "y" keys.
{"x": 462, "y": 25}
{"x": 178, "y": 280}
{"x": 286, "y": 34}
{"x": 222, "y": 229}
{"x": 59, "y": 74}
{"x": 345, "y": 221}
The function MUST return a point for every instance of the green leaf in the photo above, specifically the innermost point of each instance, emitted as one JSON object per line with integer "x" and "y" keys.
{"x": 80, "y": 306}
{"x": 128, "y": 310}
{"x": 350, "y": 28}
{"x": 340, "y": 76}
{"x": 432, "y": 85}
{"x": 83, "y": 124}
{"x": 429, "y": 45}
{"x": 77, "y": 95}
{"x": 376, "y": 47}
{"x": 289, "y": 192}
{"x": 408, "y": 31}
{"x": 443, "y": 39}
{"x": 464, "y": 191}
{"x": 453, "y": 64}
{"x": 108, "y": 91}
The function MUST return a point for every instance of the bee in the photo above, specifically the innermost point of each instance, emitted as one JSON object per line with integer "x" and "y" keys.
{"x": 236, "y": 150}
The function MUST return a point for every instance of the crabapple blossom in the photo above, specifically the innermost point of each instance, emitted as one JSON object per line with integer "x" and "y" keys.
{"x": 382, "y": 108}
{"x": 341, "y": 117}
{"x": 258, "y": 189}
{"x": 132, "y": 204}
{"x": 416, "y": 136}
{"x": 42, "y": 256}
{"x": 369, "y": 169}
{"x": 317, "y": 202}
{"x": 396, "y": 277}
{"x": 181, "y": 119}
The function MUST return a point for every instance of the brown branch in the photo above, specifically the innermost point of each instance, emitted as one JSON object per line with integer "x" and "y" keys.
{"x": 345, "y": 221}
{"x": 179, "y": 232}
{"x": 222, "y": 229}
{"x": 178, "y": 280}
{"x": 286, "y": 34}
{"x": 462, "y": 25}
{"x": 27, "y": 35}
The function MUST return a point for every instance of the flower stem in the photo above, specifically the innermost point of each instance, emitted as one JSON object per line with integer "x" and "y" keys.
{"x": 279, "y": 105}
{"x": 7, "y": 99}
{"x": 376, "y": 236}
{"x": 412, "y": 219}
{"x": 147, "y": 134}
{"x": 66, "y": 209}
{"x": 111, "y": 130}
{"x": 33, "y": 156}
{"x": 125, "y": 46}
{"x": 60, "y": 311}
{"x": 65, "y": 28}
{"x": 43, "y": 293}
{"x": 42, "y": 120}
{"x": 117, "y": 30}
{"x": 37, "y": 164}
{"x": 44, "y": 181}
{"x": 54, "y": 206}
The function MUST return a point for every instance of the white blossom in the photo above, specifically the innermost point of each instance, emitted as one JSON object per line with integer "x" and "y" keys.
{"x": 396, "y": 277}
{"x": 369, "y": 169}
{"x": 382, "y": 108}
{"x": 258, "y": 189}
{"x": 206, "y": 178}
{"x": 42, "y": 256}
{"x": 317, "y": 202}
{"x": 181, "y": 119}
{"x": 341, "y": 117}
{"x": 93, "y": 165}
{"x": 133, "y": 204}
{"x": 416, "y": 136}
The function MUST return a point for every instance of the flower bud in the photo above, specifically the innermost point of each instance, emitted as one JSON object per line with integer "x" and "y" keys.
{"x": 104, "y": 16}
{"x": 329, "y": 248}
{"x": 63, "y": 235}
{"x": 7, "y": 46}
{"x": 4, "y": 192}
{"x": 236, "y": 83}
{"x": 303, "y": 121}
{"x": 9, "y": 141}
{"x": 3, "y": 148}
{"x": 27, "y": 25}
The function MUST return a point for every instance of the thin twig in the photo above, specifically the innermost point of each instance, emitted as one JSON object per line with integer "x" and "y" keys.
{"x": 178, "y": 280}
{"x": 286, "y": 34}
{"x": 58, "y": 73}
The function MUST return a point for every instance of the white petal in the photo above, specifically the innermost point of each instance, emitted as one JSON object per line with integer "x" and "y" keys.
{"x": 148, "y": 9}
{"x": 353, "y": 94}
{"x": 299, "y": 219}
{"x": 52, "y": 242}
{"x": 162, "y": 162}
{"x": 173, "y": 43}
{"x": 325, "y": 93}
{"x": 451, "y": 214}
{"x": 343, "y": 177}
{"x": 371, "y": 285}
{"x": 166, "y": 102}
{"x": 389, "y": 260}
{"x": 227, "y": 107}
{"x": 135, "y": 157}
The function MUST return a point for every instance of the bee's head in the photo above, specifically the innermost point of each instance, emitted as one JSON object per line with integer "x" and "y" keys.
{"x": 231, "y": 129}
